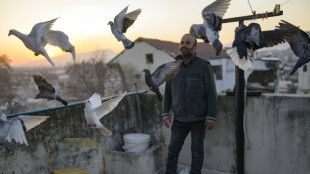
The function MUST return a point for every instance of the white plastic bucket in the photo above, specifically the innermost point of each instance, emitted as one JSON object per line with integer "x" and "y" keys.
{"x": 136, "y": 142}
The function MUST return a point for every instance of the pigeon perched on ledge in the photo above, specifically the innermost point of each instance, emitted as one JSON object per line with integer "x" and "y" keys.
{"x": 14, "y": 128}
{"x": 212, "y": 23}
{"x": 163, "y": 73}
{"x": 121, "y": 23}
{"x": 94, "y": 110}
{"x": 41, "y": 35}
{"x": 47, "y": 90}
{"x": 251, "y": 37}
{"x": 299, "y": 43}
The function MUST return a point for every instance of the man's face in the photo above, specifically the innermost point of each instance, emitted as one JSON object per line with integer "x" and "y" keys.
{"x": 187, "y": 47}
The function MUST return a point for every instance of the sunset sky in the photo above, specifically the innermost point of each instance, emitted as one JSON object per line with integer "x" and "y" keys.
{"x": 85, "y": 21}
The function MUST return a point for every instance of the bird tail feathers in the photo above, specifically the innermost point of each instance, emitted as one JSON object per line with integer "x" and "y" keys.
{"x": 72, "y": 51}
{"x": 301, "y": 61}
{"x": 243, "y": 63}
{"x": 128, "y": 44}
{"x": 159, "y": 96}
{"x": 61, "y": 100}
{"x": 7, "y": 146}
{"x": 218, "y": 46}
{"x": 104, "y": 131}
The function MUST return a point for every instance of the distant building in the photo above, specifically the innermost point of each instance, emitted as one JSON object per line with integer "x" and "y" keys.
{"x": 151, "y": 53}
{"x": 304, "y": 79}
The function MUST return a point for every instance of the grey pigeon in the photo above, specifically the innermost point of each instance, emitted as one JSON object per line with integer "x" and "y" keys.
{"x": 212, "y": 23}
{"x": 41, "y": 35}
{"x": 121, "y": 23}
{"x": 94, "y": 110}
{"x": 251, "y": 37}
{"x": 14, "y": 128}
{"x": 163, "y": 73}
{"x": 46, "y": 90}
{"x": 299, "y": 43}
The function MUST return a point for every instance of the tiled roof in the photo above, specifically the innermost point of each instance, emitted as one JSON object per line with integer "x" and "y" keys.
{"x": 204, "y": 50}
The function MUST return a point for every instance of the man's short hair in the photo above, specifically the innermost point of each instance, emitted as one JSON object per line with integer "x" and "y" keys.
{"x": 194, "y": 38}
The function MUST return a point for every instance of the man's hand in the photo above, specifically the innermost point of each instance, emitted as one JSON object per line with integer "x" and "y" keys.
{"x": 167, "y": 120}
{"x": 210, "y": 124}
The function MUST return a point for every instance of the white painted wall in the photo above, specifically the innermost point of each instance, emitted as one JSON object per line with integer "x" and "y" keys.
{"x": 304, "y": 78}
{"x": 136, "y": 57}
{"x": 228, "y": 72}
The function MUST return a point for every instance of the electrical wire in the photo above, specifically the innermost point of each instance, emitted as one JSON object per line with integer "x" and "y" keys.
{"x": 250, "y": 6}
{"x": 285, "y": 2}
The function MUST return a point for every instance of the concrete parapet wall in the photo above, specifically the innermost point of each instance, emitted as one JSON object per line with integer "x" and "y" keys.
{"x": 277, "y": 136}
{"x": 277, "y": 131}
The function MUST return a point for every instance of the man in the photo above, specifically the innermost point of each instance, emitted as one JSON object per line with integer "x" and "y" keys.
{"x": 192, "y": 97}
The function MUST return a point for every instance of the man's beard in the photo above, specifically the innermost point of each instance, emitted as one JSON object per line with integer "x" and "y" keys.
{"x": 187, "y": 52}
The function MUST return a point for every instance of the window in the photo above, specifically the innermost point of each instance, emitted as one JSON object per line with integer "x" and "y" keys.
{"x": 149, "y": 58}
{"x": 304, "y": 68}
{"x": 217, "y": 70}
{"x": 137, "y": 76}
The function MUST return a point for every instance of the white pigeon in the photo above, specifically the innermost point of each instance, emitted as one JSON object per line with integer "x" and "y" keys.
{"x": 41, "y": 35}
{"x": 212, "y": 23}
{"x": 122, "y": 22}
{"x": 14, "y": 128}
{"x": 95, "y": 110}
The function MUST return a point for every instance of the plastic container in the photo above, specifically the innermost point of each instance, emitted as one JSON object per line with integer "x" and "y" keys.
{"x": 136, "y": 142}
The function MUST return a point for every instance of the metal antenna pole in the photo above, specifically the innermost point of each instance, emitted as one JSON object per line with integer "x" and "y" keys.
{"x": 141, "y": 128}
{"x": 239, "y": 95}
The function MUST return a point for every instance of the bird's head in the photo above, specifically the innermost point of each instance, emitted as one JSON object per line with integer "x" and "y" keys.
{"x": 86, "y": 101}
{"x": 110, "y": 23}
{"x": 146, "y": 71}
{"x": 255, "y": 34}
{"x": 10, "y": 32}
{"x": 3, "y": 117}
{"x": 209, "y": 17}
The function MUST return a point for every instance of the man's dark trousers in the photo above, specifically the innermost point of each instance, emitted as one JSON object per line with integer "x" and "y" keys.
{"x": 179, "y": 131}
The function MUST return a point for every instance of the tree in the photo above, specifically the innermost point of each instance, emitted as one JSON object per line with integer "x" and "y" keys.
{"x": 5, "y": 61}
{"x": 94, "y": 76}
{"x": 6, "y": 92}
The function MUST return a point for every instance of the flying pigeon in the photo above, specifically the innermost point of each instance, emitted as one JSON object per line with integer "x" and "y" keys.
{"x": 14, "y": 128}
{"x": 299, "y": 43}
{"x": 41, "y": 35}
{"x": 95, "y": 110}
{"x": 122, "y": 22}
{"x": 212, "y": 23}
{"x": 251, "y": 37}
{"x": 163, "y": 73}
{"x": 46, "y": 90}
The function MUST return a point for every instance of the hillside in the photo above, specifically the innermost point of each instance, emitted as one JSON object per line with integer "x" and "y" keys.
{"x": 105, "y": 55}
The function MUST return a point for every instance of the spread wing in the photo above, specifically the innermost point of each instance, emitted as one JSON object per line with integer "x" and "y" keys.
{"x": 108, "y": 106}
{"x": 198, "y": 31}
{"x": 129, "y": 19}
{"x": 40, "y": 81}
{"x": 32, "y": 121}
{"x": 166, "y": 71}
{"x": 16, "y": 131}
{"x": 298, "y": 41}
{"x": 59, "y": 39}
{"x": 118, "y": 19}
{"x": 218, "y": 7}
{"x": 275, "y": 37}
{"x": 41, "y": 29}
{"x": 256, "y": 39}
{"x": 95, "y": 100}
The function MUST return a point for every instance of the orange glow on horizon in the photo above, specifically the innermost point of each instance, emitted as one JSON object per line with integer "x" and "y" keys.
{"x": 85, "y": 22}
